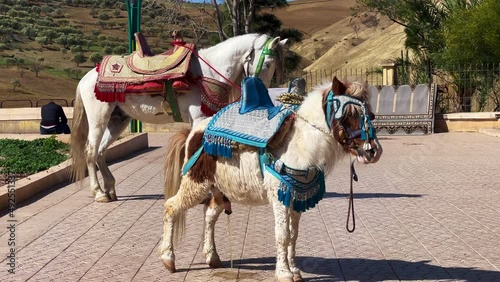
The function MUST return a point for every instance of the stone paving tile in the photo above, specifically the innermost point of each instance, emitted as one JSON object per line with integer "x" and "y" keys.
{"x": 428, "y": 211}
{"x": 46, "y": 211}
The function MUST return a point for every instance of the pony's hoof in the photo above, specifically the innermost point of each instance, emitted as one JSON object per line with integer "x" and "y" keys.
{"x": 102, "y": 199}
{"x": 169, "y": 264}
{"x": 297, "y": 278}
{"x": 214, "y": 262}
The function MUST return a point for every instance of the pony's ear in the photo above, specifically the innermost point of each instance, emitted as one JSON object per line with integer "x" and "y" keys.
{"x": 284, "y": 42}
{"x": 338, "y": 87}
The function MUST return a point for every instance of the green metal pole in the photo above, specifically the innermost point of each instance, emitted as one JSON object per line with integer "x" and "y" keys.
{"x": 134, "y": 25}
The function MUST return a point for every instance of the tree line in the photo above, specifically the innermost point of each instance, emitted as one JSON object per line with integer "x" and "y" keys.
{"x": 442, "y": 35}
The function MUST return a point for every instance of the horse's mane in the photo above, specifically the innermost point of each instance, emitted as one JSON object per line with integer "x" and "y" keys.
{"x": 280, "y": 52}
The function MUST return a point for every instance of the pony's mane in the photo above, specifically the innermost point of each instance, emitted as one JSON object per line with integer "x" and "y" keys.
{"x": 358, "y": 89}
{"x": 355, "y": 88}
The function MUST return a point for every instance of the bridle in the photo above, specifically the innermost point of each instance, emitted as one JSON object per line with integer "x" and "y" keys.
{"x": 247, "y": 58}
{"x": 335, "y": 111}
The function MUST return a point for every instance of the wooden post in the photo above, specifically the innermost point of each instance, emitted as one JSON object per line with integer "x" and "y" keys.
{"x": 389, "y": 74}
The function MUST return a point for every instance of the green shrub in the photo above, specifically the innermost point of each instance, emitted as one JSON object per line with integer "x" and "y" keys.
{"x": 21, "y": 156}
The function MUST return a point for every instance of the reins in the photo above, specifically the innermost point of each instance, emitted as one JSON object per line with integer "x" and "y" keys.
{"x": 208, "y": 64}
{"x": 265, "y": 51}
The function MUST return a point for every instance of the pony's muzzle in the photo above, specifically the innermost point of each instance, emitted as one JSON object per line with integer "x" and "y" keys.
{"x": 371, "y": 155}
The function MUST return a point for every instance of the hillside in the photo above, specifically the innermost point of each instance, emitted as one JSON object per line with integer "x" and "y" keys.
{"x": 333, "y": 39}
{"x": 98, "y": 26}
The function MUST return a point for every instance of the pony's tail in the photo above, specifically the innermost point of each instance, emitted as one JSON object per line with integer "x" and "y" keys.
{"x": 173, "y": 170}
{"x": 79, "y": 134}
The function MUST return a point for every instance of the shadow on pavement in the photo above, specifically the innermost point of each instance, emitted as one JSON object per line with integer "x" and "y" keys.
{"x": 369, "y": 195}
{"x": 141, "y": 197}
{"x": 354, "y": 269}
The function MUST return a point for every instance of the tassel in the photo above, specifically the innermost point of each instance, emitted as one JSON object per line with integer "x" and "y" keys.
{"x": 371, "y": 130}
{"x": 206, "y": 110}
{"x": 363, "y": 127}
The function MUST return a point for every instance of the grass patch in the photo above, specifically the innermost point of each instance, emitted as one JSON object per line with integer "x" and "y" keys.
{"x": 29, "y": 157}
{"x": 3, "y": 61}
{"x": 56, "y": 72}
{"x": 95, "y": 48}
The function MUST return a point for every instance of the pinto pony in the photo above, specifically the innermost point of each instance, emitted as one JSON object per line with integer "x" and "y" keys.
{"x": 96, "y": 124}
{"x": 334, "y": 120}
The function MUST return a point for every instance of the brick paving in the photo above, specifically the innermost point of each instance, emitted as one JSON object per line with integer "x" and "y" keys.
{"x": 429, "y": 210}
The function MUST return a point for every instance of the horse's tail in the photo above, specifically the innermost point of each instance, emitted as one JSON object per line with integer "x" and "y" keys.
{"x": 173, "y": 169}
{"x": 79, "y": 134}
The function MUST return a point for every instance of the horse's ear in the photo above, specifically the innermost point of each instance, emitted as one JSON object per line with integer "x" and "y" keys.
{"x": 274, "y": 43}
{"x": 338, "y": 87}
{"x": 284, "y": 42}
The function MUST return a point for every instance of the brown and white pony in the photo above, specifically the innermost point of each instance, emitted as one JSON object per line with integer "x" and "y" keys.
{"x": 319, "y": 135}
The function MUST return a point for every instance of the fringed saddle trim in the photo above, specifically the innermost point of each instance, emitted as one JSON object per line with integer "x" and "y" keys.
{"x": 215, "y": 95}
{"x": 298, "y": 188}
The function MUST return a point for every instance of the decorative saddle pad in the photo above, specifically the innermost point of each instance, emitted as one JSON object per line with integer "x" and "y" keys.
{"x": 161, "y": 63}
{"x": 118, "y": 73}
{"x": 133, "y": 69}
{"x": 254, "y": 128}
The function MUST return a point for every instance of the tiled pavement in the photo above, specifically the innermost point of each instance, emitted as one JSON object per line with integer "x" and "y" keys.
{"x": 429, "y": 210}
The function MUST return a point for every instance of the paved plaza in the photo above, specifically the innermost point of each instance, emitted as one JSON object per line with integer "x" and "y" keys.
{"x": 428, "y": 211}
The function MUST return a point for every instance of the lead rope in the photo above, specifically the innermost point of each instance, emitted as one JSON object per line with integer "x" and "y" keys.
{"x": 350, "y": 210}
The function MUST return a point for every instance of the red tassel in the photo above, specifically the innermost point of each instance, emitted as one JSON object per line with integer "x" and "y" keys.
{"x": 206, "y": 110}
{"x": 120, "y": 97}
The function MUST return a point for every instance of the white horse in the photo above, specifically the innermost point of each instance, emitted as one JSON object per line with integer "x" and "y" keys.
{"x": 96, "y": 124}
{"x": 325, "y": 127}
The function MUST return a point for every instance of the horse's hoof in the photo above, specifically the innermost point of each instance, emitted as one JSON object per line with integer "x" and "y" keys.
{"x": 169, "y": 264}
{"x": 214, "y": 262}
{"x": 113, "y": 197}
{"x": 102, "y": 199}
{"x": 297, "y": 278}
{"x": 285, "y": 279}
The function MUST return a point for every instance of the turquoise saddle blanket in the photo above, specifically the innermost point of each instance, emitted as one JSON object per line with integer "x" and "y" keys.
{"x": 254, "y": 128}
{"x": 251, "y": 121}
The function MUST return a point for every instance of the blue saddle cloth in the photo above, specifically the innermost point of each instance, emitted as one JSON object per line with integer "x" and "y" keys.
{"x": 254, "y": 128}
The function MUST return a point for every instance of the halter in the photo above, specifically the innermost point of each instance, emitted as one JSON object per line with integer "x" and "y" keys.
{"x": 248, "y": 56}
{"x": 335, "y": 110}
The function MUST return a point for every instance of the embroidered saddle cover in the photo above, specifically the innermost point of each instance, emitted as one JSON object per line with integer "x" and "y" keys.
{"x": 120, "y": 74}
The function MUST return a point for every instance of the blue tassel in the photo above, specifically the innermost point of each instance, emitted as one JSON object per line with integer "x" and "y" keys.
{"x": 288, "y": 196}
{"x": 363, "y": 130}
{"x": 372, "y": 130}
